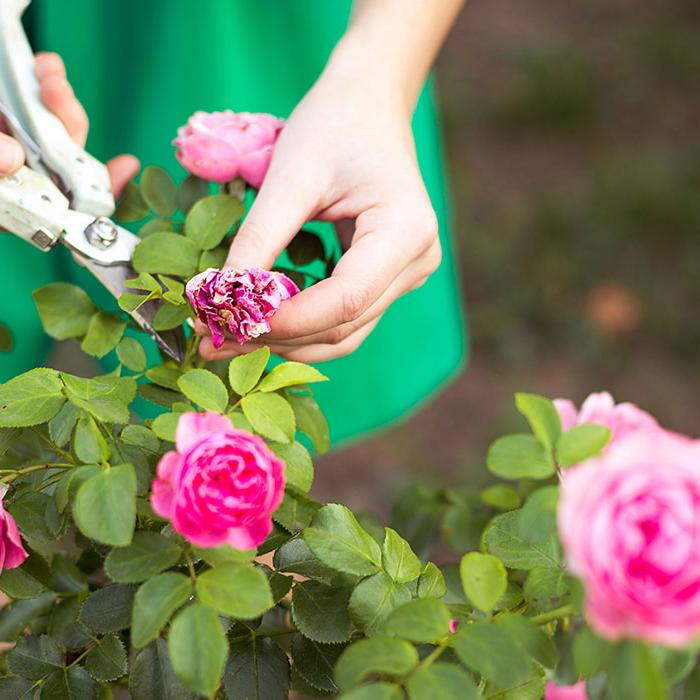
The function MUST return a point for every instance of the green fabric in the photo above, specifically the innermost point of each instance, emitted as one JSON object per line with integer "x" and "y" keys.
{"x": 141, "y": 68}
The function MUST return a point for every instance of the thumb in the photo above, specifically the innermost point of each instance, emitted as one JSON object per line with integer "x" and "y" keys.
{"x": 280, "y": 209}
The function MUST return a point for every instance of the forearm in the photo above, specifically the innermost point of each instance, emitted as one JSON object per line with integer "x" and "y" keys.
{"x": 392, "y": 44}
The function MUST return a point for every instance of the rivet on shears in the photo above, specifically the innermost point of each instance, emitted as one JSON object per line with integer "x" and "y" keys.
{"x": 101, "y": 233}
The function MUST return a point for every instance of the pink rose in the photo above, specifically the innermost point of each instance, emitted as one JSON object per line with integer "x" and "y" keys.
{"x": 629, "y": 521}
{"x": 12, "y": 553}
{"x": 552, "y": 691}
{"x": 220, "y": 146}
{"x": 238, "y": 302}
{"x": 221, "y": 486}
{"x": 622, "y": 418}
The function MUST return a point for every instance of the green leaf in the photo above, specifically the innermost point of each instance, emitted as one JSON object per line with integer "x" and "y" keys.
{"x": 224, "y": 554}
{"x": 159, "y": 191}
{"x": 205, "y": 389}
{"x": 314, "y": 662}
{"x": 105, "y": 506}
{"x": 24, "y": 582}
{"x": 29, "y": 511}
{"x": 398, "y": 558}
{"x": 441, "y": 682}
{"x": 216, "y": 257}
{"x": 375, "y": 691}
{"x": 89, "y": 444}
{"x": 531, "y": 638}
{"x": 519, "y": 457}
{"x": 290, "y": 374}
{"x": 103, "y": 333}
{"x": 484, "y": 579}
{"x": 337, "y": 539}
{"x": 304, "y": 248}
{"x": 423, "y": 620}
{"x": 132, "y": 355}
{"x": 257, "y": 669}
{"x": 374, "y": 599}
{"x": 108, "y": 609}
{"x": 140, "y": 436}
{"x": 191, "y": 190}
{"x": 106, "y": 397}
{"x": 378, "y": 655}
{"x": 270, "y": 415}
{"x": 35, "y": 657}
{"x": 211, "y": 218}
{"x": 131, "y": 206}
{"x": 168, "y": 253}
{"x": 320, "y": 612}
{"x": 431, "y": 583}
{"x": 581, "y": 442}
{"x": 198, "y": 649}
{"x": 501, "y": 496}
{"x": 236, "y": 590}
{"x": 147, "y": 555}
{"x": 170, "y": 316}
{"x": 154, "y": 225}
{"x": 151, "y": 676}
{"x": 64, "y": 309}
{"x": 591, "y": 653}
{"x": 538, "y": 518}
{"x": 542, "y": 416}
{"x": 547, "y": 588}
{"x": 299, "y": 469}
{"x": 295, "y": 556}
{"x": 72, "y": 683}
{"x": 30, "y": 398}
{"x": 165, "y": 426}
{"x": 165, "y": 375}
{"x": 502, "y": 538}
{"x": 634, "y": 674}
{"x": 489, "y": 650}
{"x": 310, "y": 420}
{"x": 15, "y": 688}
{"x": 296, "y": 510}
{"x": 244, "y": 371}
{"x": 62, "y": 424}
{"x": 107, "y": 659}
{"x": 155, "y": 602}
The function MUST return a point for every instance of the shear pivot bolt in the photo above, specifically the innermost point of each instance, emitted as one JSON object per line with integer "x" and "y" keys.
{"x": 101, "y": 233}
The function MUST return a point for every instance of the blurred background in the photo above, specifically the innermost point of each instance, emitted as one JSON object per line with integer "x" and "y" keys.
{"x": 573, "y": 145}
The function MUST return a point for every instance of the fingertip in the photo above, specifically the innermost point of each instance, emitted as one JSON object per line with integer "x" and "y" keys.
{"x": 122, "y": 169}
{"x": 201, "y": 328}
{"x": 48, "y": 63}
{"x": 11, "y": 155}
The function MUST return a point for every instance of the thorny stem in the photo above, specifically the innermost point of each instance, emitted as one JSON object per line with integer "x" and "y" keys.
{"x": 190, "y": 567}
{"x": 32, "y": 468}
{"x": 58, "y": 450}
{"x": 563, "y": 611}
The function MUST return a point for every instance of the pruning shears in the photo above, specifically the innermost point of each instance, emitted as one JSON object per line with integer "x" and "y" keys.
{"x": 63, "y": 195}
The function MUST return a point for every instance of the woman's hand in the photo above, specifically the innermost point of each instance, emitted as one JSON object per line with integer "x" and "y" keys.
{"x": 57, "y": 94}
{"x": 346, "y": 155}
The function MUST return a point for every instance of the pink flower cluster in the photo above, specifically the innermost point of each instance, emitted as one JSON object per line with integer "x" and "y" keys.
{"x": 12, "y": 553}
{"x": 220, "y": 486}
{"x": 240, "y": 302}
{"x": 629, "y": 521}
{"x": 221, "y": 146}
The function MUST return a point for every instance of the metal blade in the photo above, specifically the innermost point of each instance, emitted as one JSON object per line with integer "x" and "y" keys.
{"x": 172, "y": 342}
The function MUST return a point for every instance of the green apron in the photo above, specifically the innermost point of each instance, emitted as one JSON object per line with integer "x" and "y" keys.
{"x": 141, "y": 68}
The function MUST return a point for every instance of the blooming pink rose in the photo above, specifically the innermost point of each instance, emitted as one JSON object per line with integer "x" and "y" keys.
{"x": 220, "y": 146}
{"x": 629, "y": 521}
{"x": 12, "y": 553}
{"x": 238, "y": 302}
{"x": 622, "y": 418}
{"x": 221, "y": 486}
{"x": 552, "y": 691}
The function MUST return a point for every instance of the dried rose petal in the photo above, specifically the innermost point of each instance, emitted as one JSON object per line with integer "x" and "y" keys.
{"x": 238, "y": 302}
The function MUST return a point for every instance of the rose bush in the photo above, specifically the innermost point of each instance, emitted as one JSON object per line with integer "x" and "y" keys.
{"x": 159, "y": 538}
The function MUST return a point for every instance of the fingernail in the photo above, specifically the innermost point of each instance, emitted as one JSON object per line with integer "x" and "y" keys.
{"x": 11, "y": 156}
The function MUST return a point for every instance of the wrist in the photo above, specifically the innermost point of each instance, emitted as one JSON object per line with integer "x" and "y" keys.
{"x": 357, "y": 63}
